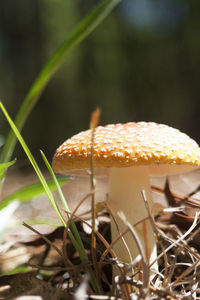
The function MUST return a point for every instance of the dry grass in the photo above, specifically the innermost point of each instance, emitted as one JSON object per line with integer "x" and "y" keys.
{"x": 58, "y": 265}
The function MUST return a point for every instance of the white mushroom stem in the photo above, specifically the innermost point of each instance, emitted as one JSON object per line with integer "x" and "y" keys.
{"x": 125, "y": 186}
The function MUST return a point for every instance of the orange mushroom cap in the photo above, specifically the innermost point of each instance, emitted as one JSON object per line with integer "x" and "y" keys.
{"x": 125, "y": 145}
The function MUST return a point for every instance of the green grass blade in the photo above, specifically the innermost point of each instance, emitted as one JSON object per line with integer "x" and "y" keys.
{"x": 31, "y": 191}
{"x": 63, "y": 200}
{"x": 50, "y": 195}
{"x": 48, "y": 222}
{"x": 5, "y": 166}
{"x": 62, "y": 197}
{"x": 17, "y": 270}
{"x": 81, "y": 31}
{"x": 32, "y": 161}
{"x": 80, "y": 249}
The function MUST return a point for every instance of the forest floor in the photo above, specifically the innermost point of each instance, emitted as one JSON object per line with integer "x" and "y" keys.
{"x": 33, "y": 257}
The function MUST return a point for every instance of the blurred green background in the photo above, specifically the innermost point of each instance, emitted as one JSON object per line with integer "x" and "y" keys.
{"x": 141, "y": 64}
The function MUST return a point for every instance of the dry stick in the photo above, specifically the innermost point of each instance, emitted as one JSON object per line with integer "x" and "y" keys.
{"x": 107, "y": 245}
{"x": 69, "y": 222}
{"x": 96, "y": 297}
{"x": 181, "y": 239}
{"x": 44, "y": 238}
{"x": 75, "y": 210}
{"x": 190, "y": 238}
{"x": 116, "y": 240}
{"x": 44, "y": 255}
{"x": 133, "y": 264}
{"x": 140, "y": 249}
{"x": 81, "y": 202}
{"x": 122, "y": 238}
{"x": 76, "y": 268}
{"x": 189, "y": 278}
{"x": 165, "y": 282}
{"x": 194, "y": 276}
{"x": 183, "y": 246}
{"x": 165, "y": 294}
{"x": 184, "y": 273}
{"x": 191, "y": 250}
{"x": 152, "y": 221}
{"x": 171, "y": 269}
{"x": 146, "y": 239}
{"x": 194, "y": 284}
{"x": 149, "y": 211}
{"x": 93, "y": 124}
{"x": 54, "y": 269}
{"x": 162, "y": 292}
{"x": 60, "y": 269}
{"x": 180, "y": 197}
{"x": 65, "y": 244}
{"x": 65, "y": 259}
{"x": 125, "y": 288}
{"x": 187, "y": 271}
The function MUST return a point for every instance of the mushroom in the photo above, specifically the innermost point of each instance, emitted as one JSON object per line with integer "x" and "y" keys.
{"x": 130, "y": 153}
